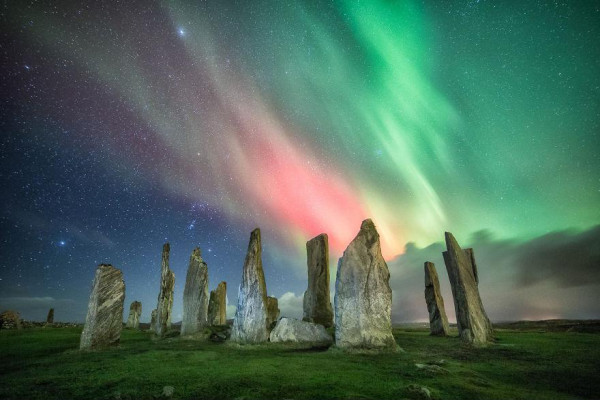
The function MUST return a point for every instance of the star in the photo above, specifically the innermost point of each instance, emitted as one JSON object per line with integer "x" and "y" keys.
{"x": 181, "y": 32}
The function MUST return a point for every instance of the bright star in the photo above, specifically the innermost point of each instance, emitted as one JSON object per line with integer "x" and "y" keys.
{"x": 62, "y": 243}
{"x": 181, "y": 32}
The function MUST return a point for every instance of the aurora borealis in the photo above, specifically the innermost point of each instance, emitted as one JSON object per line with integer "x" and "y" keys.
{"x": 127, "y": 125}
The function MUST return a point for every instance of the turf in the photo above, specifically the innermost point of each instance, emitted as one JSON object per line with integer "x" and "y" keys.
{"x": 44, "y": 363}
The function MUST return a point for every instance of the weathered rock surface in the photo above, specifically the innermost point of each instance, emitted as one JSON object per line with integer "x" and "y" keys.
{"x": 272, "y": 312}
{"x": 250, "y": 322}
{"x": 165, "y": 295}
{"x": 438, "y": 322}
{"x": 104, "y": 320}
{"x": 473, "y": 323}
{"x": 10, "y": 320}
{"x": 363, "y": 297}
{"x": 421, "y": 392}
{"x": 219, "y": 333}
{"x": 217, "y": 305}
{"x": 135, "y": 312}
{"x": 195, "y": 295}
{"x": 50, "y": 317}
{"x": 317, "y": 301}
{"x": 153, "y": 320}
{"x": 293, "y": 330}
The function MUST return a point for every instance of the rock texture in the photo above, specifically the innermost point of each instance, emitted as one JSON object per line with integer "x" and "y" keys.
{"x": 135, "y": 312}
{"x": 217, "y": 305}
{"x": 153, "y": 320}
{"x": 250, "y": 322}
{"x": 195, "y": 295}
{"x": 10, "y": 320}
{"x": 363, "y": 297}
{"x": 104, "y": 320}
{"x": 293, "y": 330}
{"x": 272, "y": 312}
{"x": 438, "y": 322}
{"x": 165, "y": 295}
{"x": 317, "y": 302}
{"x": 50, "y": 317}
{"x": 473, "y": 324}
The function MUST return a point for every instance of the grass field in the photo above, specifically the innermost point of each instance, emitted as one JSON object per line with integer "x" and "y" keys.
{"x": 43, "y": 363}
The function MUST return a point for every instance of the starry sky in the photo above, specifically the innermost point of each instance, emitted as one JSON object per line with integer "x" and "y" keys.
{"x": 128, "y": 124}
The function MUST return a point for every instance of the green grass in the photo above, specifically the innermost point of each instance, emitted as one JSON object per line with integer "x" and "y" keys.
{"x": 43, "y": 363}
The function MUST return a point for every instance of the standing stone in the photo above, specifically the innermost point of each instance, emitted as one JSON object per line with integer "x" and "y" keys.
{"x": 217, "y": 305}
{"x": 135, "y": 312}
{"x": 195, "y": 295}
{"x": 272, "y": 312}
{"x": 250, "y": 322}
{"x": 10, "y": 319}
{"x": 152, "y": 320}
{"x": 473, "y": 323}
{"x": 50, "y": 317}
{"x": 438, "y": 322}
{"x": 317, "y": 303}
{"x": 104, "y": 320}
{"x": 165, "y": 295}
{"x": 363, "y": 297}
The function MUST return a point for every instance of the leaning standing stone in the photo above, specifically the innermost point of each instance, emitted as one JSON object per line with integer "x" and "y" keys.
{"x": 50, "y": 317}
{"x": 165, "y": 295}
{"x": 438, "y": 322}
{"x": 250, "y": 322}
{"x": 195, "y": 295}
{"x": 217, "y": 305}
{"x": 135, "y": 312}
{"x": 104, "y": 320}
{"x": 473, "y": 324}
{"x": 272, "y": 312}
{"x": 317, "y": 302}
{"x": 363, "y": 297}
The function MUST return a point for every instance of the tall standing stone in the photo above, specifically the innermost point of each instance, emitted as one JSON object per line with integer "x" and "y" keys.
{"x": 50, "y": 317}
{"x": 104, "y": 320}
{"x": 363, "y": 297}
{"x": 152, "y": 320}
{"x": 250, "y": 322}
{"x": 438, "y": 322}
{"x": 217, "y": 305}
{"x": 317, "y": 301}
{"x": 195, "y": 295}
{"x": 165, "y": 295}
{"x": 272, "y": 312}
{"x": 473, "y": 323}
{"x": 135, "y": 312}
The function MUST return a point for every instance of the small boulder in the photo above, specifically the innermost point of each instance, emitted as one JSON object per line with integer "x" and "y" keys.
{"x": 293, "y": 330}
{"x": 168, "y": 391}
{"x": 421, "y": 392}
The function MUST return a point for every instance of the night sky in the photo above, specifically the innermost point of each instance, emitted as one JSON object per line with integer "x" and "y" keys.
{"x": 128, "y": 124}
